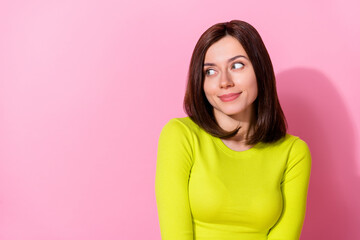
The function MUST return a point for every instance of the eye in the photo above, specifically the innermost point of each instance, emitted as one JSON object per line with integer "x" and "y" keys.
{"x": 210, "y": 72}
{"x": 237, "y": 65}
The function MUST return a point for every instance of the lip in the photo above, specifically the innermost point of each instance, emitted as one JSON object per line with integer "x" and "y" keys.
{"x": 229, "y": 97}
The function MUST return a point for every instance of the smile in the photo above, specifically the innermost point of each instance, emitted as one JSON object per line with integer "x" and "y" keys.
{"x": 229, "y": 97}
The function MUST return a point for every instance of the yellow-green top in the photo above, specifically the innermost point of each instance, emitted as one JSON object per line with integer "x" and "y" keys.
{"x": 207, "y": 191}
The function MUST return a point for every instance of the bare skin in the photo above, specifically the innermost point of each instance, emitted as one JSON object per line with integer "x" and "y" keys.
{"x": 228, "y": 70}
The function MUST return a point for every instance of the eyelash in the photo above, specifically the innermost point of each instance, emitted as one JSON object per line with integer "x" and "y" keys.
{"x": 232, "y": 67}
{"x": 207, "y": 71}
{"x": 237, "y": 63}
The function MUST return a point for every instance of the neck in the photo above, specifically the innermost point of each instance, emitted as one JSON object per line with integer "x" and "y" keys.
{"x": 231, "y": 122}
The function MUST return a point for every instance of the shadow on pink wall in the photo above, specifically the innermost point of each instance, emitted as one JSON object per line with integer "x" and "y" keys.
{"x": 316, "y": 113}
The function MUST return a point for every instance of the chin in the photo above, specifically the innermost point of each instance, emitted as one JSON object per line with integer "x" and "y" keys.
{"x": 229, "y": 112}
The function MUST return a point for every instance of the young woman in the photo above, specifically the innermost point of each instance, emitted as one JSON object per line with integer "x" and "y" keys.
{"x": 230, "y": 171}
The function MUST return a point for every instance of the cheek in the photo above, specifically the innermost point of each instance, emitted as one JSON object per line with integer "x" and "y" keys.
{"x": 255, "y": 89}
{"x": 252, "y": 87}
{"x": 210, "y": 92}
{"x": 209, "y": 88}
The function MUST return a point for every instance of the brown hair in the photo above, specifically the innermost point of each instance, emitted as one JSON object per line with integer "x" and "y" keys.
{"x": 270, "y": 124}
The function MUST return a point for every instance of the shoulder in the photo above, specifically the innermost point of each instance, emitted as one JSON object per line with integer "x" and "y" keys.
{"x": 179, "y": 130}
{"x": 177, "y": 138}
{"x": 290, "y": 146}
{"x": 299, "y": 151}
{"x": 184, "y": 121}
{"x": 180, "y": 126}
{"x": 291, "y": 142}
{"x": 298, "y": 145}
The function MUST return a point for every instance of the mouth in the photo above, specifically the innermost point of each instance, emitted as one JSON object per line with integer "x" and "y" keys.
{"x": 229, "y": 97}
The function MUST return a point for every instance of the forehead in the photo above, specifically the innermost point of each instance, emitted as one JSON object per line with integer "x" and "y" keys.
{"x": 224, "y": 49}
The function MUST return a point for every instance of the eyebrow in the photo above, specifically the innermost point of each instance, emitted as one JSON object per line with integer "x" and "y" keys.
{"x": 231, "y": 59}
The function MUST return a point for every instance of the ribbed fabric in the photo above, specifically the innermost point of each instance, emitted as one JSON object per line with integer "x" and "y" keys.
{"x": 207, "y": 191}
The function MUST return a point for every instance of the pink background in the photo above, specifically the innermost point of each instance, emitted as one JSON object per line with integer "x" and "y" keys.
{"x": 86, "y": 86}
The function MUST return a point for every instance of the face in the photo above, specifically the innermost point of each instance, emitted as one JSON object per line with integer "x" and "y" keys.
{"x": 228, "y": 70}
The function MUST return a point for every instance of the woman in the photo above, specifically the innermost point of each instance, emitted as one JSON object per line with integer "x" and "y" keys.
{"x": 230, "y": 170}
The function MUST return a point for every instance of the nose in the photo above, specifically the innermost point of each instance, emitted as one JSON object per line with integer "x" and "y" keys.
{"x": 226, "y": 80}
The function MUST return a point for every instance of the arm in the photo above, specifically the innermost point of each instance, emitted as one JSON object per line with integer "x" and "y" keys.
{"x": 294, "y": 187}
{"x": 174, "y": 162}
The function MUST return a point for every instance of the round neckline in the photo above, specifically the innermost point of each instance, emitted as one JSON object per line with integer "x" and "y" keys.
{"x": 228, "y": 150}
{"x": 232, "y": 152}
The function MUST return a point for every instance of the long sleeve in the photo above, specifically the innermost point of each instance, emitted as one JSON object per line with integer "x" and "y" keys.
{"x": 294, "y": 187}
{"x": 174, "y": 162}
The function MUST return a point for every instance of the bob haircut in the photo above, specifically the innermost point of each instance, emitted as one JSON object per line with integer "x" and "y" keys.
{"x": 269, "y": 123}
